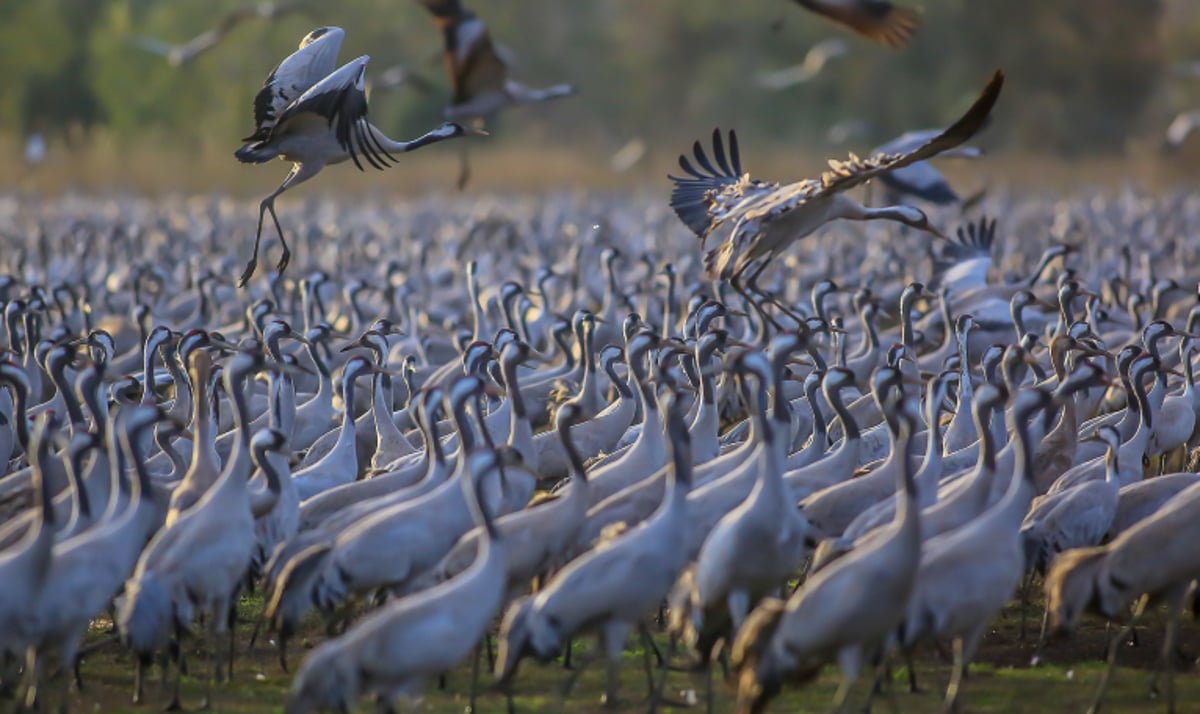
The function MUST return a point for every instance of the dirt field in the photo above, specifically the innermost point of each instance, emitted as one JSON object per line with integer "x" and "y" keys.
{"x": 1002, "y": 680}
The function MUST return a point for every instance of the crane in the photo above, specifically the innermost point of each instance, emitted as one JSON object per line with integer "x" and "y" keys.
{"x": 763, "y": 218}
{"x": 478, "y": 72}
{"x": 183, "y": 54}
{"x": 1179, "y": 129}
{"x": 876, "y": 20}
{"x": 921, "y": 180}
{"x": 315, "y": 116}
{"x": 813, "y": 63}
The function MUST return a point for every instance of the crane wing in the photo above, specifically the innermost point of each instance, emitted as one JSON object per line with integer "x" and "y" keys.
{"x": 313, "y": 61}
{"x": 877, "y": 20}
{"x": 1180, "y": 127}
{"x": 965, "y": 260}
{"x": 844, "y": 175}
{"x": 340, "y": 102}
{"x": 911, "y": 140}
{"x": 920, "y": 180}
{"x": 444, "y": 8}
{"x": 181, "y": 54}
{"x": 708, "y": 194}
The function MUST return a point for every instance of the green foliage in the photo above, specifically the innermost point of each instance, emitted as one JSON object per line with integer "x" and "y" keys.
{"x": 1083, "y": 73}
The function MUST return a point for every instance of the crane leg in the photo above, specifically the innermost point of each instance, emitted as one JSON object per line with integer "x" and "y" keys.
{"x": 647, "y": 643}
{"x": 881, "y": 681}
{"x": 614, "y": 635}
{"x": 964, "y": 652}
{"x": 956, "y": 677}
{"x": 33, "y": 673}
{"x": 578, "y": 670}
{"x": 464, "y": 168}
{"x": 566, "y": 663}
{"x": 849, "y": 661}
{"x": 656, "y": 690}
{"x": 475, "y": 678}
{"x": 736, "y": 284}
{"x": 299, "y": 174}
{"x": 175, "y": 705}
{"x": 1177, "y": 599}
{"x": 1026, "y": 583}
{"x": 752, "y": 285}
{"x": 911, "y": 666}
{"x": 254, "y": 635}
{"x": 1041, "y": 643}
{"x": 1113, "y": 648}
{"x": 139, "y": 675}
{"x": 283, "y": 661}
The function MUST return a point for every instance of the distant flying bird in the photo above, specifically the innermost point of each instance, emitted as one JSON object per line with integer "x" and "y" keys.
{"x": 847, "y": 129}
{"x": 1190, "y": 70}
{"x": 478, "y": 74}
{"x": 313, "y": 116}
{"x": 35, "y": 149}
{"x": 1179, "y": 130}
{"x": 814, "y": 61}
{"x": 629, "y": 155}
{"x": 179, "y": 55}
{"x": 398, "y": 76}
{"x": 921, "y": 179}
{"x": 877, "y": 20}
{"x": 764, "y": 218}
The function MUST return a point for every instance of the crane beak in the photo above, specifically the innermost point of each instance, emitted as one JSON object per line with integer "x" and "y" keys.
{"x": 935, "y": 231}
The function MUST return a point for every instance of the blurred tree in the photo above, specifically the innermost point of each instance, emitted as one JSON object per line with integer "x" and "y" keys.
{"x": 1082, "y": 73}
{"x": 42, "y": 45}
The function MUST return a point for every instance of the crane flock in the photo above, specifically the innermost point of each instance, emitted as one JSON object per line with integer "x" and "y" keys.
{"x": 479, "y": 431}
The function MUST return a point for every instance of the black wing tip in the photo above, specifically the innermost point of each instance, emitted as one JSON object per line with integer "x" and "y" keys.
{"x": 691, "y": 195}
{"x": 973, "y": 240}
{"x": 728, "y": 165}
{"x": 991, "y": 92}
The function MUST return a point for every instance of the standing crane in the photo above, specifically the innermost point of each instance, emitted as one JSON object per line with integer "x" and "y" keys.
{"x": 764, "y": 217}
{"x": 478, "y": 73}
{"x": 314, "y": 116}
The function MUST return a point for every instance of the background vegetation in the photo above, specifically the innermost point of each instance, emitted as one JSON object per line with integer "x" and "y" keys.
{"x": 1086, "y": 77}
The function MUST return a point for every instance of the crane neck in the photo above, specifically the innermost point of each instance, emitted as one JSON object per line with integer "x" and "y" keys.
{"x": 849, "y": 424}
{"x": 391, "y": 145}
